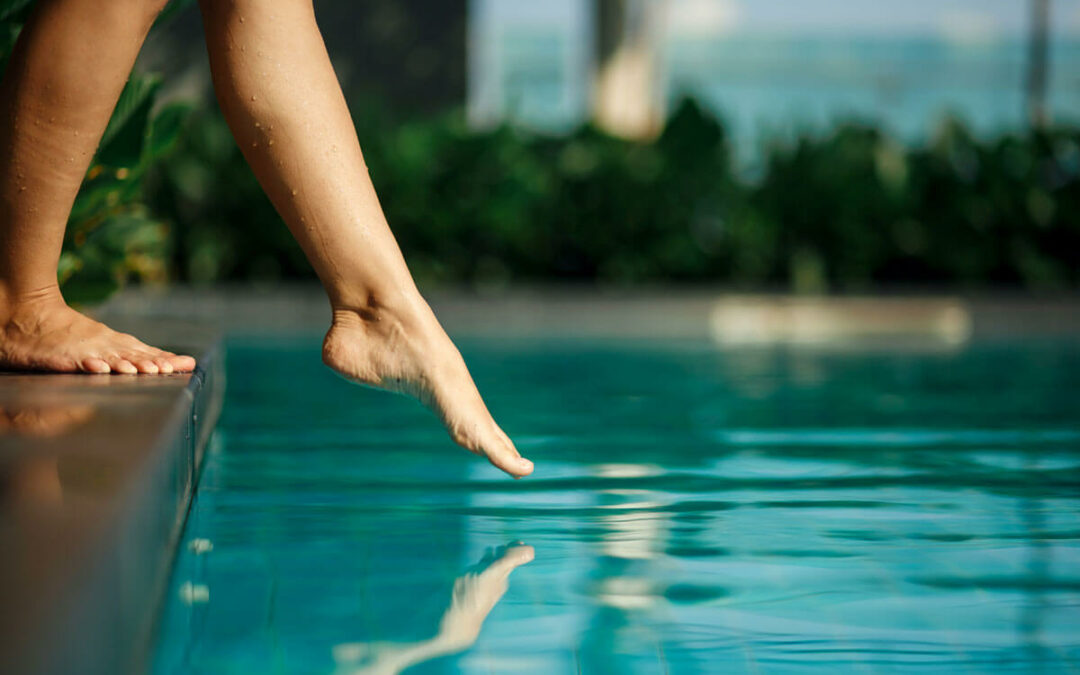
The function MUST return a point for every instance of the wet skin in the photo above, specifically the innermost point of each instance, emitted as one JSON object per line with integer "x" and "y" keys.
{"x": 276, "y": 86}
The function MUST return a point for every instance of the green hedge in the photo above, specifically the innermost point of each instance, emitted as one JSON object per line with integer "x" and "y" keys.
{"x": 112, "y": 236}
{"x": 852, "y": 209}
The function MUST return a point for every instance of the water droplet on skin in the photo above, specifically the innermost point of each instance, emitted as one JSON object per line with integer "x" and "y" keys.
{"x": 76, "y": 133}
{"x": 241, "y": 19}
{"x": 271, "y": 142}
{"x": 22, "y": 188}
{"x": 258, "y": 126}
{"x": 52, "y": 119}
{"x": 252, "y": 98}
{"x": 243, "y": 48}
{"x": 254, "y": 145}
{"x": 294, "y": 193}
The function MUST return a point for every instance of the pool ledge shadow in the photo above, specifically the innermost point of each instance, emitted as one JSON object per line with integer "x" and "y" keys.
{"x": 96, "y": 476}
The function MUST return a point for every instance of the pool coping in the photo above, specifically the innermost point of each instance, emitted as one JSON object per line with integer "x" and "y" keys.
{"x": 725, "y": 317}
{"x": 88, "y": 572}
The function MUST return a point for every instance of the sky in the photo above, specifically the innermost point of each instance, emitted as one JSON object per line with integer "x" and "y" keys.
{"x": 921, "y": 17}
{"x": 959, "y": 20}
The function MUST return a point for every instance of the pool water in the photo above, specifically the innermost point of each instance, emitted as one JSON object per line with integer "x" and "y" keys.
{"x": 693, "y": 510}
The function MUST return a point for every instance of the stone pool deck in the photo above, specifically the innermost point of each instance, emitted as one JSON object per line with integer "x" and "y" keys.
{"x": 97, "y": 475}
{"x": 892, "y": 321}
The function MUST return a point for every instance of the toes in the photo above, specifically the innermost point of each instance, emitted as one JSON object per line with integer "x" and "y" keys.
{"x": 95, "y": 365}
{"x": 505, "y": 456}
{"x": 121, "y": 365}
{"x": 515, "y": 556}
{"x": 164, "y": 365}
{"x": 520, "y": 554}
{"x": 145, "y": 365}
{"x": 180, "y": 363}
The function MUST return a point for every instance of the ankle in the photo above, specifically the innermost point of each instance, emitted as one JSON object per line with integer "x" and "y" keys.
{"x": 15, "y": 299}
{"x": 405, "y": 309}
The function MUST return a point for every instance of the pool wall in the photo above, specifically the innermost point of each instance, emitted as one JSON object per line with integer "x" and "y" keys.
{"x": 85, "y": 564}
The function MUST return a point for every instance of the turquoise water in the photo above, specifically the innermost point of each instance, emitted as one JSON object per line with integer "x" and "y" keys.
{"x": 693, "y": 511}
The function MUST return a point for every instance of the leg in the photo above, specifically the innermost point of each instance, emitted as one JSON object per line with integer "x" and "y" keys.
{"x": 59, "y": 89}
{"x": 279, "y": 93}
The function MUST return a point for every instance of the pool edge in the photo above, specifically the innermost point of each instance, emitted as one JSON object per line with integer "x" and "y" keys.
{"x": 90, "y": 599}
{"x": 206, "y": 390}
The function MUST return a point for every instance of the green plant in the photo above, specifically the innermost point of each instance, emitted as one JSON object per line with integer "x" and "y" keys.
{"x": 112, "y": 235}
{"x": 849, "y": 210}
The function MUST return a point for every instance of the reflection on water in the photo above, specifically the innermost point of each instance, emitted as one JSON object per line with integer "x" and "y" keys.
{"x": 28, "y": 479}
{"x": 475, "y": 594}
{"x": 42, "y": 421}
{"x": 693, "y": 511}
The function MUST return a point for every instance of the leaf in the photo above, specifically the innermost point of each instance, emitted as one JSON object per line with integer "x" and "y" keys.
{"x": 171, "y": 10}
{"x": 165, "y": 129}
{"x": 9, "y": 33}
{"x": 12, "y": 10}
{"x": 69, "y": 264}
{"x": 122, "y": 142}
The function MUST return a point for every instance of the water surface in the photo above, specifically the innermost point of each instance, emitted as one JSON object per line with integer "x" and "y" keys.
{"x": 692, "y": 511}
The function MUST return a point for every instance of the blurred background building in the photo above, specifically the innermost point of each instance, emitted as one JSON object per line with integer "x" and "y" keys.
{"x": 771, "y": 66}
{"x": 766, "y": 66}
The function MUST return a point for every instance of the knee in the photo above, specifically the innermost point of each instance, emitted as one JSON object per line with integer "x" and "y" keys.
{"x": 140, "y": 12}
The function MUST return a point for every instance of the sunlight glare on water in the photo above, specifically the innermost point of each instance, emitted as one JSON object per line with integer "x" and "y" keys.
{"x": 693, "y": 510}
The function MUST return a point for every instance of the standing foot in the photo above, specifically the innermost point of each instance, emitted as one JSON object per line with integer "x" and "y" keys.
{"x": 45, "y": 334}
{"x": 405, "y": 349}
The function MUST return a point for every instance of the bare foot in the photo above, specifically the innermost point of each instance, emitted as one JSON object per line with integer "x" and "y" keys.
{"x": 45, "y": 334}
{"x": 406, "y": 350}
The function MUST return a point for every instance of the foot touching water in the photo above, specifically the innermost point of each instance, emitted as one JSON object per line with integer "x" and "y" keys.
{"x": 45, "y": 334}
{"x": 306, "y": 156}
{"x": 407, "y": 351}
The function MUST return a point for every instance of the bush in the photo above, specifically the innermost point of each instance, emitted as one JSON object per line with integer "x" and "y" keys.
{"x": 850, "y": 210}
{"x": 112, "y": 236}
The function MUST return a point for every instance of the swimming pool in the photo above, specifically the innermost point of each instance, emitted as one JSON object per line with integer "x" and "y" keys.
{"x": 694, "y": 510}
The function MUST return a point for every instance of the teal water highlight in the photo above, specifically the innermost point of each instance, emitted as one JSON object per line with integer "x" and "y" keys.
{"x": 693, "y": 510}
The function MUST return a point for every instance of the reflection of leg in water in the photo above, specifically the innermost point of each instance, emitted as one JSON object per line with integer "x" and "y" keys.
{"x": 34, "y": 480}
{"x": 475, "y": 594}
{"x": 43, "y": 421}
